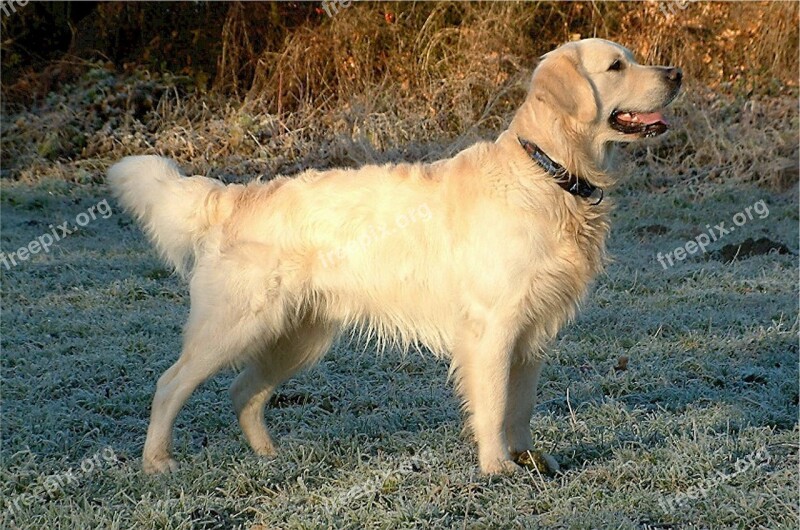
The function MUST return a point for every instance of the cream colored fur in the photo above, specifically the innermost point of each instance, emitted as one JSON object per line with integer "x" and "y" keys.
{"x": 481, "y": 258}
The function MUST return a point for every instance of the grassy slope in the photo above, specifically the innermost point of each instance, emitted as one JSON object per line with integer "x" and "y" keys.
{"x": 376, "y": 443}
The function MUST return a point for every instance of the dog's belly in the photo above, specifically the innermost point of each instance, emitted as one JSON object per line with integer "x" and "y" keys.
{"x": 404, "y": 294}
{"x": 397, "y": 293}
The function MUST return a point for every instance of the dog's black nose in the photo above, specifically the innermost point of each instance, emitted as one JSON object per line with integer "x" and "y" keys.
{"x": 674, "y": 75}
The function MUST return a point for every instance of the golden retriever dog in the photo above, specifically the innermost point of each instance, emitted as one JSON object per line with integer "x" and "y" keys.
{"x": 480, "y": 258}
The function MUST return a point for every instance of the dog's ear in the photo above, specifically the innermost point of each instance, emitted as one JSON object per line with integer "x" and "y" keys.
{"x": 558, "y": 82}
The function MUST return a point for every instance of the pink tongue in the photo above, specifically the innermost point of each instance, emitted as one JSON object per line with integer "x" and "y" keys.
{"x": 650, "y": 118}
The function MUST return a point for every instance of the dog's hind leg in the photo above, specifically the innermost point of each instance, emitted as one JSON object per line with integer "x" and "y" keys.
{"x": 207, "y": 349}
{"x": 228, "y": 323}
{"x": 251, "y": 390}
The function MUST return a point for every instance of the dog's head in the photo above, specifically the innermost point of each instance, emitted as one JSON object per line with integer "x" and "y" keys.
{"x": 594, "y": 91}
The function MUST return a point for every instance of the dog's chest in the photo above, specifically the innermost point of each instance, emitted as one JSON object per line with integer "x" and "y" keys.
{"x": 561, "y": 276}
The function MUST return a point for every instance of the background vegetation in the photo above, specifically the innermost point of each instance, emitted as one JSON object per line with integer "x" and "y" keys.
{"x": 273, "y": 87}
{"x": 239, "y": 90}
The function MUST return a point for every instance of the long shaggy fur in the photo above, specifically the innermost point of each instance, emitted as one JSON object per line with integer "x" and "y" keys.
{"x": 481, "y": 258}
{"x": 175, "y": 211}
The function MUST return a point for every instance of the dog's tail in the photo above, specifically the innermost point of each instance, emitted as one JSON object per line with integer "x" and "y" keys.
{"x": 176, "y": 211}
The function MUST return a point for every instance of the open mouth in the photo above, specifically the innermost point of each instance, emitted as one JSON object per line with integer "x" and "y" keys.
{"x": 647, "y": 124}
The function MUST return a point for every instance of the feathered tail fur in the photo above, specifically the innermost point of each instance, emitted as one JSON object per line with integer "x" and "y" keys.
{"x": 175, "y": 211}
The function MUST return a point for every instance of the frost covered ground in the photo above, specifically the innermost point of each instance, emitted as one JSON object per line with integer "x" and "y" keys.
{"x": 697, "y": 430}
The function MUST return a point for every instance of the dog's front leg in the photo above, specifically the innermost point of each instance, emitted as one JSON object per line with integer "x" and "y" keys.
{"x": 523, "y": 380}
{"x": 482, "y": 358}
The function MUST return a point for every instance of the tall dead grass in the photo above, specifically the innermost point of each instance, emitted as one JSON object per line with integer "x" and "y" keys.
{"x": 395, "y": 81}
{"x": 454, "y": 55}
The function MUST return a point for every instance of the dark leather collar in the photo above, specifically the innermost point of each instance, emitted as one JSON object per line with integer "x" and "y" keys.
{"x": 570, "y": 183}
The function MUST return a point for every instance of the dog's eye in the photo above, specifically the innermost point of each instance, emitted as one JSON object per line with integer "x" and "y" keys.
{"x": 616, "y": 65}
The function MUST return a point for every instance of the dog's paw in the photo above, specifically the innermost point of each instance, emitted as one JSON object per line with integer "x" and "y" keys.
{"x": 156, "y": 466}
{"x": 543, "y": 462}
{"x": 266, "y": 450}
{"x": 500, "y": 467}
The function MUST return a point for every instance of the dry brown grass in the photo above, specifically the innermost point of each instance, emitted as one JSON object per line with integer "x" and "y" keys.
{"x": 459, "y": 53}
{"x": 425, "y": 78}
